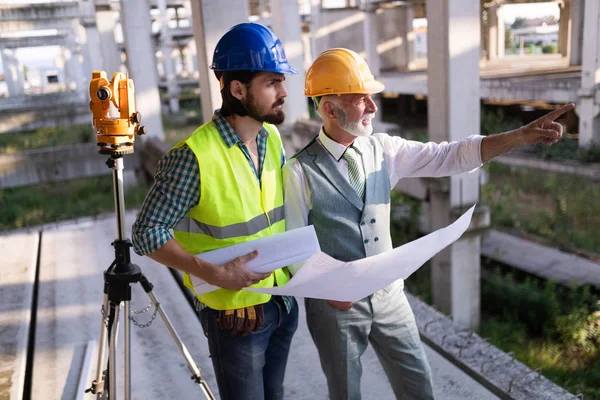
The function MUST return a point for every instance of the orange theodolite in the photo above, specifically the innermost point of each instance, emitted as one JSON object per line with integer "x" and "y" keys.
{"x": 115, "y": 134}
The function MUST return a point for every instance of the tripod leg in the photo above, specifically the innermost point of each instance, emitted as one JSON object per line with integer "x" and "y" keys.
{"x": 112, "y": 354}
{"x": 184, "y": 351}
{"x": 127, "y": 328}
{"x": 98, "y": 385}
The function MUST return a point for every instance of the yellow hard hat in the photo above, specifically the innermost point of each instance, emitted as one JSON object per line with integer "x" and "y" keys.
{"x": 340, "y": 71}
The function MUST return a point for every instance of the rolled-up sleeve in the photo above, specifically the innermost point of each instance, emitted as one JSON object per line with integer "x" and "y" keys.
{"x": 175, "y": 191}
{"x": 412, "y": 159}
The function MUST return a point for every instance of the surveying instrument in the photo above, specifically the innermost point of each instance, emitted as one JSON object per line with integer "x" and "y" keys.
{"x": 115, "y": 137}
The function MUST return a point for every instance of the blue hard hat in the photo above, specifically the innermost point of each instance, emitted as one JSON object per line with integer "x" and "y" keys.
{"x": 250, "y": 46}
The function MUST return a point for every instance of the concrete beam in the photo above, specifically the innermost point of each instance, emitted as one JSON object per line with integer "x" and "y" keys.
{"x": 59, "y": 39}
{"x": 17, "y": 26}
{"x": 141, "y": 63}
{"x": 561, "y": 88}
{"x": 453, "y": 49}
{"x": 211, "y": 20}
{"x": 39, "y": 11}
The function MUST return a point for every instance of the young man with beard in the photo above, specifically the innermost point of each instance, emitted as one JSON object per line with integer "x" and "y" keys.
{"x": 341, "y": 184}
{"x": 221, "y": 186}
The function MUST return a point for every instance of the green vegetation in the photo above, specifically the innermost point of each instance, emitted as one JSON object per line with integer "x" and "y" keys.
{"x": 567, "y": 149}
{"x": 13, "y": 142}
{"x": 547, "y": 327}
{"x": 560, "y": 209}
{"x": 549, "y": 49}
{"x": 39, "y": 204}
{"x": 495, "y": 121}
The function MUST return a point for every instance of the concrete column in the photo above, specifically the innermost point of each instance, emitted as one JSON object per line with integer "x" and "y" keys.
{"x": 564, "y": 28}
{"x": 211, "y": 20}
{"x": 141, "y": 63}
{"x": 92, "y": 50}
{"x": 315, "y": 23}
{"x": 492, "y": 33}
{"x": 92, "y": 59}
{"x": 167, "y": 46}
{"x": 74, "y": 77}
{"x": 409, "y": 36}
{"x": 576, "y": 37}
{"x": 371, "y": 38}
{"x": 496, "y": 32}
{"x": 501, "y": 31}
{"x": 589, "y": 95}
{"x": 106, "y": 21}
{"x": 453, "y": 50}
{"x": 13, "y": 73}
{"x": 287, "y": 25}
{"x": 192, "y": 50}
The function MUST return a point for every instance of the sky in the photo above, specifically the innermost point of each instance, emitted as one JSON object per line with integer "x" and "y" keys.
{"x": 538, "y": 10}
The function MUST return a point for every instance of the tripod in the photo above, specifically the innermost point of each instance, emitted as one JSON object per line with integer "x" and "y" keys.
{"x": 117, "y": 289}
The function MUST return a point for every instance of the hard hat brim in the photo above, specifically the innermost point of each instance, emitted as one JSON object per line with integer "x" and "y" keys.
{"x": 370, "y": 87}
{"x": 289, "y": 70}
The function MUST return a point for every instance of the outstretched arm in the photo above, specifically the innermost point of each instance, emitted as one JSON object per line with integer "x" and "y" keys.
{"x": 542, "y": 130}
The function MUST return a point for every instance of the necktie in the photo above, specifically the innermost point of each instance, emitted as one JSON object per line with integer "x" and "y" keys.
{"x": 356, "y": 174}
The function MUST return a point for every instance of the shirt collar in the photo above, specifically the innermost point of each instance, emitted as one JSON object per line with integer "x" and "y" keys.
{"x": 226, "y": 130}
{"x": 334, "y": 148}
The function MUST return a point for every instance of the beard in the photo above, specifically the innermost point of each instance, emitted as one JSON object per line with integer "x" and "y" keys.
{"x": 355, "y": 128}
{"x": 256, "y": 112}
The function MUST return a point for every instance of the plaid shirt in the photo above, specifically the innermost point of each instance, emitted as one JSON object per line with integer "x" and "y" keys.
{"x": 176, "y": 189}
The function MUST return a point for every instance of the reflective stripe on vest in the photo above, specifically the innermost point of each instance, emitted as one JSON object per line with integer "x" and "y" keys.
{"x": 249, "y": 228}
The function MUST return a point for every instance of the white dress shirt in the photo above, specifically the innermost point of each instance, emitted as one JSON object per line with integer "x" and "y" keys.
{"x": 405, "y": 159}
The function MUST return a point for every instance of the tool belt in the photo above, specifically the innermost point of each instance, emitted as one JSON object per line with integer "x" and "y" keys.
{"x": 241, "y": 321}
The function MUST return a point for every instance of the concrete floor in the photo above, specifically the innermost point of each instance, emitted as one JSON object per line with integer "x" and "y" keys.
{"x": 72, "y": 259}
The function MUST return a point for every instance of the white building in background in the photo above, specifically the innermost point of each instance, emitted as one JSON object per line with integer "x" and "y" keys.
{"x": 420, "y": 40}
{"x": 542, "y": 35}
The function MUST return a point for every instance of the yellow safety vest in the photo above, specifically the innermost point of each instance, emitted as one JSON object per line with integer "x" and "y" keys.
{"x": 233, "y": 208}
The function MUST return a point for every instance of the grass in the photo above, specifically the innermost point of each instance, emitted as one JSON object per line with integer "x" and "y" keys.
{"x": 561, "y": 209}
{"x": 553, "y": 358}
{"x": 13, "y": 142}
{"x": 34, "y": 205}
{"x": 176, "y": 127}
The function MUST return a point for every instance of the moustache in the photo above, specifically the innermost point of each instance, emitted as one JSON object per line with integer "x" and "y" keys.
{"x": 368, "y": 116}
{"x": 278, "y": 103}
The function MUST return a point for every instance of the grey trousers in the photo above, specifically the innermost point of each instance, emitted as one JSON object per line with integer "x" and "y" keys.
{"x": 383, "y": 319}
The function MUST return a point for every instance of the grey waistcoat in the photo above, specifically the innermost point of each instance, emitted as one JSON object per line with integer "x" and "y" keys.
{"x": 347, "y": 228}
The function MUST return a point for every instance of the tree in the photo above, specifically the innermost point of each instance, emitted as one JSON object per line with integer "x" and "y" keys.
{"x": 518, "y": 23}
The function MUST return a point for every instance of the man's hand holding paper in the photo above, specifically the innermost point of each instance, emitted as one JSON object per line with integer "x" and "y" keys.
{"x": 273, "y": 252}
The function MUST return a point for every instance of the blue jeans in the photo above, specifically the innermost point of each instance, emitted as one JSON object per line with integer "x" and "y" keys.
{"x": 383, "y": 319}
{"x": 252, "y": 367}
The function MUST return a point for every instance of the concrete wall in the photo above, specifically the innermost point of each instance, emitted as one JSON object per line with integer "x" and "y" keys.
{"x": 338, "y": 28}
{"x": 48, "y": 110}
{"x": 394, "y": 43}
{"x": 57, "y": 164}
